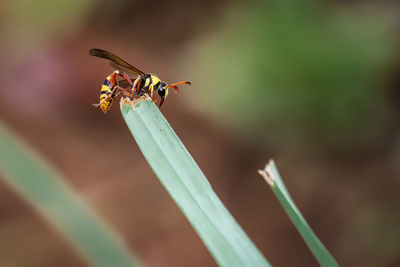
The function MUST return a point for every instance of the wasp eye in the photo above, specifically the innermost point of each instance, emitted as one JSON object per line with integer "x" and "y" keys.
{"x": 161, "y": 91}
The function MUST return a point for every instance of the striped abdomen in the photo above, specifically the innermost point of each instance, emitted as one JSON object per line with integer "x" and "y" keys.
{"x": 106, "y": 90}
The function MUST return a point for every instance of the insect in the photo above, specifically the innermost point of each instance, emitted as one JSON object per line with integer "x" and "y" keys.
{"x": 143, "y": 83}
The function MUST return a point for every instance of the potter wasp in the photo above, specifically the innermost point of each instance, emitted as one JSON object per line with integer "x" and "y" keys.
{"x": 134, "y": 82}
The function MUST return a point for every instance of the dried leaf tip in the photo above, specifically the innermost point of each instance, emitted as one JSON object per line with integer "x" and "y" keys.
{"x": 132, "y": 103}
{"x": 267, "y": 173}
{"x": 143, "y": 97}
{"x": 126, "y": 100}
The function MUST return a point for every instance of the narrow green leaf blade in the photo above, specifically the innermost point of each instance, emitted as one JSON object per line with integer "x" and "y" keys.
{"x": 188, "y": 186}
{"x": 40, "y": 184}
{"x": 273, "y": 178}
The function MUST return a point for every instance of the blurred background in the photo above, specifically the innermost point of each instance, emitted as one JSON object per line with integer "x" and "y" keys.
{"x": 312, "y": 84}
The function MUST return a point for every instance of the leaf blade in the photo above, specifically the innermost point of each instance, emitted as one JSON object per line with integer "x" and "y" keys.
{"x": 27, "y": 173}
{"x": 274, "y": 180}
{"x": 188, "y": 186}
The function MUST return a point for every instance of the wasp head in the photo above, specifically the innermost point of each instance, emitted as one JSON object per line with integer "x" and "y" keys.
{"x": 162, "y": 91}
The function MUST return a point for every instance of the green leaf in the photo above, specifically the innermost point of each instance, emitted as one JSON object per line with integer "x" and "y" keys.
{"x": 44, "y": 188}
{"x": 273, "y": 178}
{"x": 188, "y": 186}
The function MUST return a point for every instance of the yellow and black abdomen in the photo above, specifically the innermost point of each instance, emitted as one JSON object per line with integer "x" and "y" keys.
{"x": 106, "y": 90}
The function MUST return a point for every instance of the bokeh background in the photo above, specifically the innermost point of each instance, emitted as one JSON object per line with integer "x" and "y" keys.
{"x": 312, "y": 84}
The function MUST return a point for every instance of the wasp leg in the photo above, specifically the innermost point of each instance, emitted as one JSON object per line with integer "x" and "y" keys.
{"x": 108, "y": 97}
{"x": 136, "y": 86}
{"x": 121, "y": 90}
{"x": 151, "y": 91}
{"x": 154, "y": 100}
{"x": 162, "y": 101}
{"x": 125, "y": 93}
{"x": 99, "y": 104}
{"x": 123, "y": 75}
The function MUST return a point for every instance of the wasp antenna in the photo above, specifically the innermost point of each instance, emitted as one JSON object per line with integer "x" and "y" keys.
{"x": 179, "y": 83}
{"x": 175, "y": 87}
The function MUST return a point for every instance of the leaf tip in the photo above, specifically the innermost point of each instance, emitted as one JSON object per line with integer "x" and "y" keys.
{"x": 127, "y": 104}
{"x": 140, "y": 99}
{"x": 267, "y": 173}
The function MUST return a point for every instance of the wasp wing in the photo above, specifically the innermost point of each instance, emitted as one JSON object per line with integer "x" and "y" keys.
{"x": 130, "y": 72}
{"x": 116, "y": 61}
{"x": 124, "y": 84}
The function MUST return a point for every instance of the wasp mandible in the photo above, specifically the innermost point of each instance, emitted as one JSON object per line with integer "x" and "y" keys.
{"x": 143, "y": 83}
